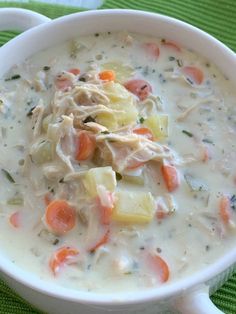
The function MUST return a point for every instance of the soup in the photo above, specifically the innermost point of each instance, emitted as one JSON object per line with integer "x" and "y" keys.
{"x": 118, "y": 163}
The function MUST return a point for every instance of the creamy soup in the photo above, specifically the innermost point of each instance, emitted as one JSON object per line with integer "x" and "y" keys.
{"x": 117, "y": 163}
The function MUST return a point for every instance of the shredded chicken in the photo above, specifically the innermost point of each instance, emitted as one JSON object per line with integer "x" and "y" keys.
{"x": 185, "y": 114}
{"x": 37, "y": 117}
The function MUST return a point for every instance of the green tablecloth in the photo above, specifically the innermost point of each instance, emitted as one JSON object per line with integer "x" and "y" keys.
{"x": 217, "y": 17}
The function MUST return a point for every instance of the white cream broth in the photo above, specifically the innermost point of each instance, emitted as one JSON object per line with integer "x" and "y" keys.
{"x": 172, "y": 227}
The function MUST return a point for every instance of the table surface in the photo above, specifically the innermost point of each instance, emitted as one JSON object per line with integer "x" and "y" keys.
{"x": 217, "y": 17}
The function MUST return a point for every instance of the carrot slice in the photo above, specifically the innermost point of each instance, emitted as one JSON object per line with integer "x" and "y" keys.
{"x": 206, "y": 154}
{"x": 170, "y": 176}
{"x": 85, "y": 146}
{"x": 64, "y": 255}
{"x": 60, "y": 216}
{"x": 138, "y": 87}
{"x": 105, "y": 238}
{"x": 160, "y": 266}
{"x": 105, "y": 211}
{"x": 144, "y": 132}
{"x": 152, "y": 49}
{"x": 194, "y": 74}
{"x": 171, "y": 44}
{"x": 15, "y": 219}
{"x": 74, "y": 71}
{"x": 225, "y": 212}
{"x": 161, "y": 214}
{"x": 107, "y": 75}
{"x": 63, "y": 83}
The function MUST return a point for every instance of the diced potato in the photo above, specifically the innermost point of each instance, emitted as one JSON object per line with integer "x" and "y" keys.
{"x": 42, "y": 152}
{"x": 108, "y": 120}
{"x": 123, "y": 72}
{"x": 128, "y": 114}
{"x": 158, "y": 124}
{"x": 133, "y": 207}
{"x": 116, "y": 92}
{"x": 122, "y": 101}
{"x": 99, "y": 176}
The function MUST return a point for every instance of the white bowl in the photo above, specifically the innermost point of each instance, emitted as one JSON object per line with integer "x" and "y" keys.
{"x": 188, "y": 295}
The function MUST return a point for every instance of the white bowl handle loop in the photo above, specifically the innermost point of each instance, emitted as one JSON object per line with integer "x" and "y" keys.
{"x": 197, "y": 302}
{"x": 20, "y": 19}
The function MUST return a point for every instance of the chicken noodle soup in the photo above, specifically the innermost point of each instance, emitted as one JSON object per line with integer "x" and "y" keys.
{"x": 117, "y": 163}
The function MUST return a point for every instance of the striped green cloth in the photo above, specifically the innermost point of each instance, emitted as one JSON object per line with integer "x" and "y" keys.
{"x": 217, "y": 17}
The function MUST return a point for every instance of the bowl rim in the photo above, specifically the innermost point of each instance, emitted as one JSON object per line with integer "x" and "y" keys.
{"x": 126, "y": 298}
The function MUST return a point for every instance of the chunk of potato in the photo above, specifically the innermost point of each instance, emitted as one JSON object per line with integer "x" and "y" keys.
{"x": 158, "y": 124}
{"x": 133, "y": 207}
{"x": 42, "y": 152}
{"x": 123, "y": 105}
{"x": 108, "y": 120}
{"x": 99, "y": 176}
{"x": 117, "y": 93}
{"x": 128, "y": 114}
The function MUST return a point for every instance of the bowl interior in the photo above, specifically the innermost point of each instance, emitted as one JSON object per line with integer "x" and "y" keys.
{"x": 85, "y": 23}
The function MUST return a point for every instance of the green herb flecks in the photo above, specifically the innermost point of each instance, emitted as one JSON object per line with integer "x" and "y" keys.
{"x": 46, "y": 68}
{"x": 141, "y": 120}
{"x": 179, "y": 62}
{"x": 13, "y": 77}
{"x": 208, "y": 141}
{"x": 105, "y": 132}
{"x": 30, "y": 112}
{"x": 16, "y": 200}
{"x": 189, "y": 134}
{"x": 89, "y": 119}
{"x": 233, "y": 202}
{"x": 118, "y": 176}
{"x": 8, "y": 176}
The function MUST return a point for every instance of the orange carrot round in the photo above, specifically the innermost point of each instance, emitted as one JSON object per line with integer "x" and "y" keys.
{"x": 74, "y": 71}
{"x": 160, "y": 267}
{"x": 194, "y": 74}
{"x": 102, "y": 241}
{"x": 64, "y": 255}
{"x": 144, "y": 132}
{"x": 225, "y": 212}
{"x": 105, "y": 211}
{"x": 85, "y": 146}
{"x": 170, "y": 176}
{"x": 107, "y": 75}
{"x": 60, "y": 216}
{"x": 152, "y": 50}
{"x": 138, "y": 87}
{"x": 171, "y": 44}
{"x": 15, "y": 219}
{"x": 63, "y": 83}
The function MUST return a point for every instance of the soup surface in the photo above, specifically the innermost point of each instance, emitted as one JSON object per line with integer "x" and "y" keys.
{"x": 117, "y": 163}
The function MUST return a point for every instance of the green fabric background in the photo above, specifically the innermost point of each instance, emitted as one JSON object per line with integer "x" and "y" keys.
{"x": 217, "y": 17}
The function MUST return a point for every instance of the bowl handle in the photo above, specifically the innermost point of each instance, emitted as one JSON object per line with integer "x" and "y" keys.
{"x": 196, "y": 302}
{"x": 20, "y": 19}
